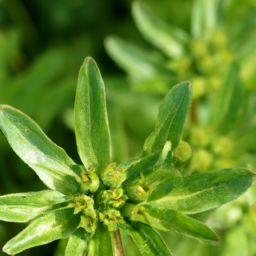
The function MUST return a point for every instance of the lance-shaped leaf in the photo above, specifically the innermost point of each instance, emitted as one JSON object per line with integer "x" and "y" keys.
{"x": 141, "y": 166}
{"x": 101, "y": 243}
{"x": 50, "y": 227}
{"x": 78, "y": 243}
{"x": 205, "y": 18}
{"x": 23, "y": 207}
{"x": 91, "y": 121}
{"x": 198, "y": 193}
{"x": 137, "y": 62}
{"x": 171, "y": 40}
{"x": 171, "y": 117}
{"x": 169, "y": 219}
{"x": 228, "y": 109}
{"x": 147, "y": 239}
{"x": 50, "y": 162}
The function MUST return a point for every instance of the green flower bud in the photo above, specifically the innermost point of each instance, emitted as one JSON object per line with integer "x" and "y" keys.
{"x": 111, "y": 218}
{"x": 114, "y": 197}
{"x": 182, "y": 153}
{"x": 112, "y": 176}
{"x": 90, "y": 183}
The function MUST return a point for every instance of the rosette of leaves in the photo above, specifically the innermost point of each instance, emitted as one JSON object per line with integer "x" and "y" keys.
{"x": 201, "y": 56}
{"x": 88, "y": 203}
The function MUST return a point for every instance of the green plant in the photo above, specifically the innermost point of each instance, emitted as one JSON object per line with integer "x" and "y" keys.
{"x": 89, "y": 203}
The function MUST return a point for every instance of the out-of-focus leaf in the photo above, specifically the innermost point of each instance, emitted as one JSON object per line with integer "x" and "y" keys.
{"x": 171, "y": 117}
{"x": 197, "y": 193}
{"x": 169, "y": 219}
{"x": 171, "y": 40}
{"x": 91, "y": 121}
{"x": 137, "y": 62}
{"x": 237, "y": 243}
{"x": 205, "y": 18}
{"x": 52, "y": 226}
{"x": 50, "y": 162}
{"x": 55, "y": 101}
{"x": 147, "y": 239}
{"x": 118, "y": 136}
{"x": 228, "y": 107}
{"x": 23, "y": 207}
{"x": 78, "y": 243}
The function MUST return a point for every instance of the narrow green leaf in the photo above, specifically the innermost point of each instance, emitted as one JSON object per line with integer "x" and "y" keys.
{"x": 101, "y": 244}
{"x": 78, "y": 243}
{"x": 50, "y": 162}
{"x": 198, "y": 193}
{"x": 147, "y": 239}
{"x": 171, "y": 117}
{"x": 204, "y": 18}
{"x": 141, "y": 166}
{"x": 137, "y": 62}
{"x": 171, "y": 40}
{"x": 228, "y": 109}
{"x": 91, "y": 121}
{"x": 23, "y": 207}
{"x": 170, "y": 219}
{"x": 52, "y": 226}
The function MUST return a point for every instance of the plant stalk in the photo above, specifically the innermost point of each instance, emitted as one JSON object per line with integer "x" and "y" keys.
{"x": 117, "y": 243}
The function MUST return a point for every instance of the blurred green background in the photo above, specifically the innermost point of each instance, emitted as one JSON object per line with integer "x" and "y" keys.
{"x": 43, "y": 43}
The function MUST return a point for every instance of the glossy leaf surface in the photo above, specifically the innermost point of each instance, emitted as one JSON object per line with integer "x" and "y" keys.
{"x": 52, "y": 226}
{"x": 50, "y": 162}
{"x": 23, "y": 207}
{"x": 91, "y": 121}
{"x": 205, "y": 191}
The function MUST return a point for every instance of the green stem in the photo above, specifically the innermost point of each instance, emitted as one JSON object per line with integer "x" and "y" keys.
{"x": 117, "y": 243}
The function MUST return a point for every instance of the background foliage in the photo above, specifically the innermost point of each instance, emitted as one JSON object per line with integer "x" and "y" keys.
{"x": 42, "y": 45}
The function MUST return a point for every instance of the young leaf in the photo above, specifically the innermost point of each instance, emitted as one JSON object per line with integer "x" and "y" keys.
{"x": 78, "y": 243}
{"x": 23, "y": 207}
{"x": 204, "y": 18}
{"x": 198, "y": 193}
{"x": 147, "y": 239}
{"x": 91, "y": 121}
{"x": 170, "y": 219}
{"x": 228, "y": 110}
{"x": 171, "y": 117}
{"x": 52, "y": 226}
{"x": 50, "y": 162}
{"x": 171, "y": 40}
{"x": 137, "y": 62}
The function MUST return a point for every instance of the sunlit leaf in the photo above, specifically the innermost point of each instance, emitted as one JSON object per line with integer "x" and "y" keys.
{"x": 171, "y": 117}
{"x": 197, "y": 193}
{"x": 50, "y": 162}
{"x": 23, "y": 207}
{"x": 52, "y": 226}
{"x": 91, "y": 121}
{"x": 169, "y": 219}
